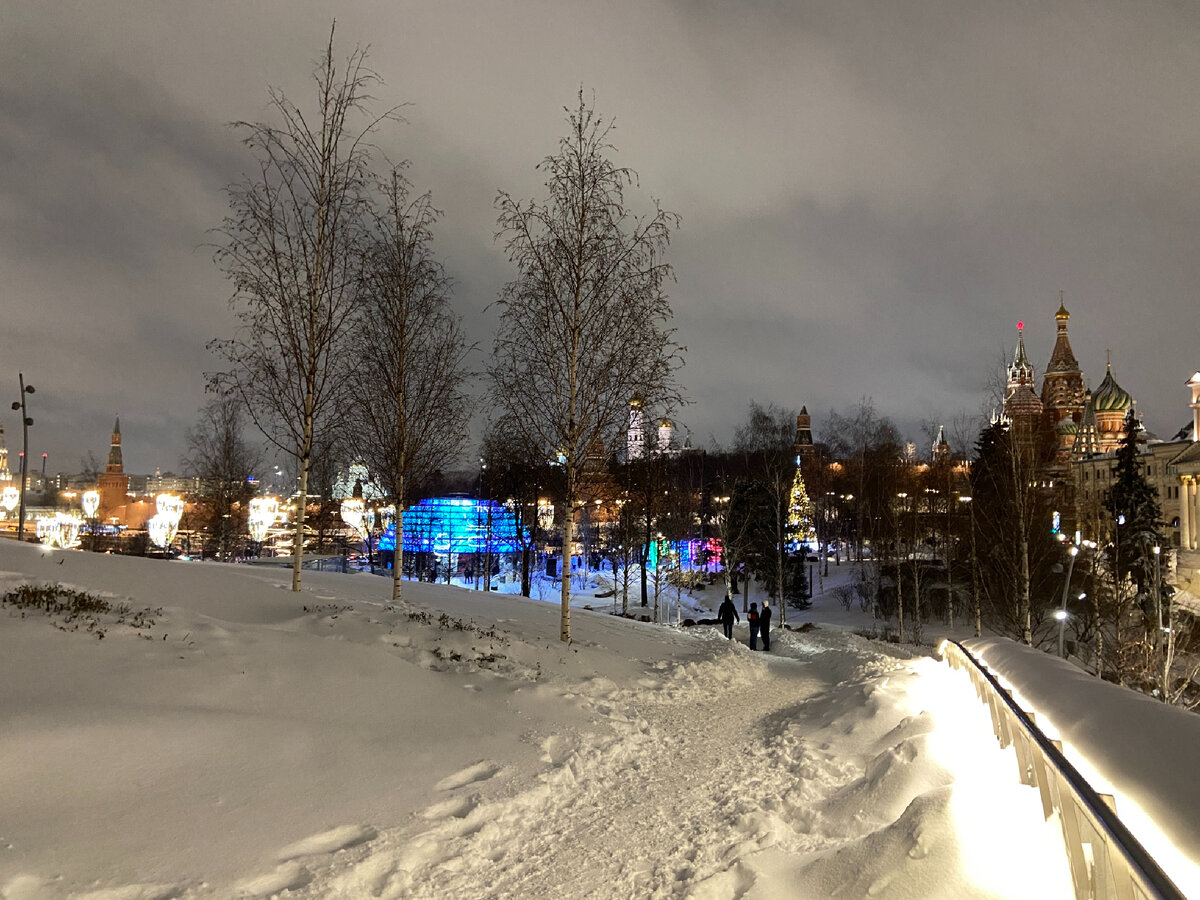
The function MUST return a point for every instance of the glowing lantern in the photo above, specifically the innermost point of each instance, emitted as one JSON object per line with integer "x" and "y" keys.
{"x": 91, "y": 503}
{"x": 264, "y": 511}
{"x": 47, "y": 531}
{"x": 352, "y": 513}
{"x": 59, "y": 530}
{"x": 170, "y": 506}
{"x": 165, "y": 523}
{"x": 10, "y": 498}
{"x": 161, "y": 530}
{"x": 68, "y": 530}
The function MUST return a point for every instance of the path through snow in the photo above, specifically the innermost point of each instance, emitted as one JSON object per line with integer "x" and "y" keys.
{"x": 681, "y": 785}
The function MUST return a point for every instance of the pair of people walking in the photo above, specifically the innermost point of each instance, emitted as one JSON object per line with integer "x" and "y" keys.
{"x": 760, "y": 623}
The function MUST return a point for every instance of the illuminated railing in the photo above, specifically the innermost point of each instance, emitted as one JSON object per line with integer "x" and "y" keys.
{"x": 1107, "y": 862}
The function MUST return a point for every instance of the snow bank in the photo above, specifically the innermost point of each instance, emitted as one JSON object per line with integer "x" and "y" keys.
{"x": 251, "y": 742}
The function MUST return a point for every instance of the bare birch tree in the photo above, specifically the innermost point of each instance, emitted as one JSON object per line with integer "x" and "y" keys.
{"x": 292, "y": 245}
{"x": 412, "y": 413}
{"x": 584, "y": 326}
{"x": 219, "y": 455}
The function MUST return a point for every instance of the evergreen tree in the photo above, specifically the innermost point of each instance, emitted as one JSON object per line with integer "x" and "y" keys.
{"x": 1134, "y": 506}
{"x": 1015, "y": 548}
{"x": 795, "y": 582}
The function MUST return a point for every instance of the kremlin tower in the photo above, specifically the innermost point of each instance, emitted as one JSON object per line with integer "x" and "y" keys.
{"x": 804, "y": 442}
{"x": 114, "y": 483}
{"x": 1021, "y": 404}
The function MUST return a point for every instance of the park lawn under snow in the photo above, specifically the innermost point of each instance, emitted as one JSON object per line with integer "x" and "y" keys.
{"x": 253, "y": 742}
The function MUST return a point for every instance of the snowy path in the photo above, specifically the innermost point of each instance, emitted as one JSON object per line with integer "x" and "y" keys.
{"x": 683, "y": 778}
{"x": 252, "y": 746}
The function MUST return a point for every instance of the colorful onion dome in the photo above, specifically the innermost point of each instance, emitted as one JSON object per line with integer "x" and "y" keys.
{"x": 1110, "y": 397}
{"x": 1067, "y": 426}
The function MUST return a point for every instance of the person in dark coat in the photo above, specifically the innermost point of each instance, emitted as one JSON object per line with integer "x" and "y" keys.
{"x": 727, "y": 613}
{"x": 764, "y": 625}
{"x": 752, "y": 621}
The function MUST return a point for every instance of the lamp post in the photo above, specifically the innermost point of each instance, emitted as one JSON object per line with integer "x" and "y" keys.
{"x": 1159, "y": 642}
{"x": 1073, "y": 551}
{"x": 900, "y": 572}
{"x": 25, "y": 423}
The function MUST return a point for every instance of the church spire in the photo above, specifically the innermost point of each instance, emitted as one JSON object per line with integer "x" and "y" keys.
{"x": 1062, "y": 359}
{"x": 1021, "y": 370}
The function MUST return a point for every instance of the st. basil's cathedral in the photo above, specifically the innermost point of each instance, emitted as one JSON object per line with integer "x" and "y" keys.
{"x": 1080, "y": 430}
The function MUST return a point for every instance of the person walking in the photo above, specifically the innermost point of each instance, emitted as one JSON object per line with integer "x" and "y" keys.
{"x": 764, "y": 625}
{"x": 752, "y": 621}
{"x": 727, "y": 613}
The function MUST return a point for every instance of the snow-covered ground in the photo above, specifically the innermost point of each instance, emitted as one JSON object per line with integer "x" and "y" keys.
{"x": 244, "y": 741}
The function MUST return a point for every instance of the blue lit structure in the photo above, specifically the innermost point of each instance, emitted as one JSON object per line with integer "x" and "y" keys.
{"x": 448, "y": 525}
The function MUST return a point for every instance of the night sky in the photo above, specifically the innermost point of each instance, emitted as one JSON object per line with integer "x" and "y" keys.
{"x": 873, "y": 194}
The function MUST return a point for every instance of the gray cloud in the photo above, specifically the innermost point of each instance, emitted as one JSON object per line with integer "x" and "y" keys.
{"x": 873, "y": 194}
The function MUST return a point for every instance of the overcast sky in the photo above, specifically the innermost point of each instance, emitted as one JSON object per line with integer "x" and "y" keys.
{"x": 872, "y": 194}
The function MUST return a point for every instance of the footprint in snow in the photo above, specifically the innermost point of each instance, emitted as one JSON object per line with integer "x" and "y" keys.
{"x": 287, "y": 877}
{"x": 556, "y": 749}
{"x": 128, "y": 892}
{"x": 481, "y": 771}
{"x": 453, "y": 808}
{"x": 329, "y": 841}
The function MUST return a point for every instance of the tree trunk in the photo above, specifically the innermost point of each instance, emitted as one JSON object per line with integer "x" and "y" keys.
{"x": 1023, "y": 591}
{"x": 398, "y": 550}
{"x": 298, "y": 537}
{"x": 564, "y": 632}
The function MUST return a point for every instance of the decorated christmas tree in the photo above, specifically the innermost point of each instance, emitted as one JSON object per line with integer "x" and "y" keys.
{"x": 800, "y": 514}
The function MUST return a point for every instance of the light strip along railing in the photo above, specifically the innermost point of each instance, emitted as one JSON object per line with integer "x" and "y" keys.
{"x": 1107, "y": 862}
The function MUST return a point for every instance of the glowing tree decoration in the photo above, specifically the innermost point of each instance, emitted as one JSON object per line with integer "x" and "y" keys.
{"x": 800, "y": 513}
{"x": 264, "y": 512}
{"x": 10, "y": 498}
{"x": 59, "y": 530}
{"x": 47, "y": 531}
{"x": 352, "y": 513}
{"x": 68, "y": 530}
{"x": 91, "y": 503}
{"x": 165, "y": 523}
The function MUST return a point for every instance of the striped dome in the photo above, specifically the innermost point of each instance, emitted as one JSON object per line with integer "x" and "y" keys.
{"x": 1067, "y": 426}
{"x": 1110, "y": 397}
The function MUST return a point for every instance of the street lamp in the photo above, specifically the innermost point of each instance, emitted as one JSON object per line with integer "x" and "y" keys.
{"x": 1061, "y": 615}
{"x": 26, "y": 421}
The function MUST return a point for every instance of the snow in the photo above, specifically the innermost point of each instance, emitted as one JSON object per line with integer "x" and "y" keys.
{"x": 252, "y": 742}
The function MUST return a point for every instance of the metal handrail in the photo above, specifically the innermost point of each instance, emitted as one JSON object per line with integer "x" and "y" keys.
{"x": 1145, "y": 877}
